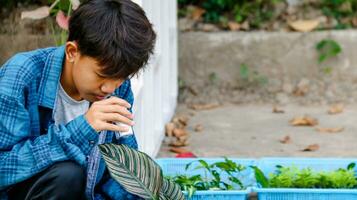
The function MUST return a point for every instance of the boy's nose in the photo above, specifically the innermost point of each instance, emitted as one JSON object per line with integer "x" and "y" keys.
{"x": 108, "y": 88}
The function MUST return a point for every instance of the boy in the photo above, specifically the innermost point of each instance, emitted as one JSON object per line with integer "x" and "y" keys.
{"x": 54, "y": 110}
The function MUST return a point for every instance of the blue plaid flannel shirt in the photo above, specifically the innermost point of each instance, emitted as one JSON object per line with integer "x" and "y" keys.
{"x": 29, "y": 140}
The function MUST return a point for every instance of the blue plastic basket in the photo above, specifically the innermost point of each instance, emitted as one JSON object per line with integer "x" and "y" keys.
{"x": 174, "y": 166}
{"x": 268, "y": 165}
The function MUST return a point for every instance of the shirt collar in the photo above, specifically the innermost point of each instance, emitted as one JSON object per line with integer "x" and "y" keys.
{"x": 50, "y": 77}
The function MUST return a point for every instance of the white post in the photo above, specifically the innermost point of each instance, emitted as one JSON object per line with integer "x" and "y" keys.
{"x": 155, "y": 90}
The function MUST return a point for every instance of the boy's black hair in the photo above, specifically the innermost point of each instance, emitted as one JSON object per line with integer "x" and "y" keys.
{"x": 116, "y": 33}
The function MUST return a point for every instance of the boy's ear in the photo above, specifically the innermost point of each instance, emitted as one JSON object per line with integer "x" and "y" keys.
{"x": 71, "y": 51}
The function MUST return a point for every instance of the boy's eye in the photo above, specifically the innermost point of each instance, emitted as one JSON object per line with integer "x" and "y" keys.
{"x": 100, "y": 76}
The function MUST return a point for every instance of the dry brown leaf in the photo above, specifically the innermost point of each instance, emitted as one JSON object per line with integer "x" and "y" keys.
{"x": 175, "y": 120}
{"x": 206, "y": 106}
{"x": 75, "y": 4}
{"x": 197, "y": 13}
{"x": 178, "y": 150}
{"x": 312, "y": 147}
{"x": 38, "y": 13}
{"x": 304, "y": 121}
{"x": 233, "y": 26}
{"x": 245, "y": 25}
{"x": 169, "y": 128}
{"x": 354, "y": 21}
{"x": 330, "y": 130}
{"x": 285, "y": 140}
{"x": 192, "y": 90}
{"x": 183, "y": 138}
{"x": 304, "y": 25}
{"x": 183, "y": 120}
{"x": 335, "y": 109}
{"x": 192, "y": 113}
{"x": 198, "y": 128}
{"x": 177, "y": 132}
{"x": 178, "y": 143}
{"x": 278, "y": 110}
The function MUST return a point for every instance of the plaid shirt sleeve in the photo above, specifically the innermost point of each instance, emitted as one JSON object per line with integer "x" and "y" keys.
{"x": 25, "y": 152}
{"x": 22, "y": 156}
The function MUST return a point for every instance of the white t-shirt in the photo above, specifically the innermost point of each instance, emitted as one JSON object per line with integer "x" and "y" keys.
{"x": 67, "y": 108}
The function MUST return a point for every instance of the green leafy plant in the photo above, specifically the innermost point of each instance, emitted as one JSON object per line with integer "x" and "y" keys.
{"x": 250, "y": 77}
{"x": 138, "y": 173}
{"x": 222, "y": 11}
{"x": 196, "y": 182}
{"x": 293, "y": 177}
{"x": 328, "y": 48}
{"x": 213, "y": 78}
{"x": 340, "y": 10}
{"x": 57, "y": 8}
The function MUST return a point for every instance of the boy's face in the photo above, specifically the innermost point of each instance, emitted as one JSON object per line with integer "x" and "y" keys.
{"x": 83, "y": 79}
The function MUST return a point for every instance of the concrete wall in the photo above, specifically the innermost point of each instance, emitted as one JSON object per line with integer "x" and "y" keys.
{"x": 285, "y": 59}
{"x": 11, "y": 44}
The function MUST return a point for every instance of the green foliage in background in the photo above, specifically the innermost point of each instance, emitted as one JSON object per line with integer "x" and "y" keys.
{"x": 220, "y": 11}
{"x": 257, "y": 12}
{"x": 341, "y": 10}
{"x": 293, "y": 177}
{"x": 327, "y": 49}
{"x": 249, "y": 77}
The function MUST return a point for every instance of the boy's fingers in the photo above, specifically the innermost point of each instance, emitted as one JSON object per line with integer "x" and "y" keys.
{"x": 114, "y": 100}
{"x": 114, "y": 117}
{"x": 114, "y": 127}
{"x": 117, "y": 109}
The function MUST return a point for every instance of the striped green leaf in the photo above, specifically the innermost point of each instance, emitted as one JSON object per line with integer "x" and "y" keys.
{"x": 171, "y": 190}
{"x": 138, "y": 173}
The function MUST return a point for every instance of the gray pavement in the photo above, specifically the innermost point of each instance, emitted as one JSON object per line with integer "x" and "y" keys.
{"x": 254, "y": 131}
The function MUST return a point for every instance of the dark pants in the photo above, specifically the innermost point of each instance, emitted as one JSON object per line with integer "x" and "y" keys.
{"x": 63, "y": 180}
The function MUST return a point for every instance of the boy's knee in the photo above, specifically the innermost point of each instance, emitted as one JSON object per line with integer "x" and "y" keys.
{"x": 69, "y": 178}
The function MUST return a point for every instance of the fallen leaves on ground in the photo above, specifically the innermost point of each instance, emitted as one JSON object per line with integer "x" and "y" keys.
{"x": 178, "y": 150}
{"x": 176, "y": 131}
{"x": 285, "y": 140}
{"x": 233, "y": 26}
{"x": 178, "y": 143}
{"x": 304, "y": 121}
{"x": 278, "y": 110}
{"x": 169, "y": 128}
{"x": 197, "y": 12}
{"x": 304, "y": 25}
{"x": 312, "y": 147}
{"x": 198, "y": 128}
{"x": 330, "y": 130}
{"x": 335, "y": 109}
{"x": 302, "y": 88}
{"x": 206, "y": 106}
{"x": 180, "y": 121}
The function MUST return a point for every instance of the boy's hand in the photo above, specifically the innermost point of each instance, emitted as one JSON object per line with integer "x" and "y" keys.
{"x": 102, "y": 114}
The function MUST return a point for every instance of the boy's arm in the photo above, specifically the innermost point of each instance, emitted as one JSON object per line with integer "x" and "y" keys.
{"x": 126, "y": 93}
{"x": 22, "y": 156}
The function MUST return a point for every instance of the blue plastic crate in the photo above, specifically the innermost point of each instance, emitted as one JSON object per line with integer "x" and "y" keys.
{"x": 175, "y": 166}
{"x": 267, "y": 165}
